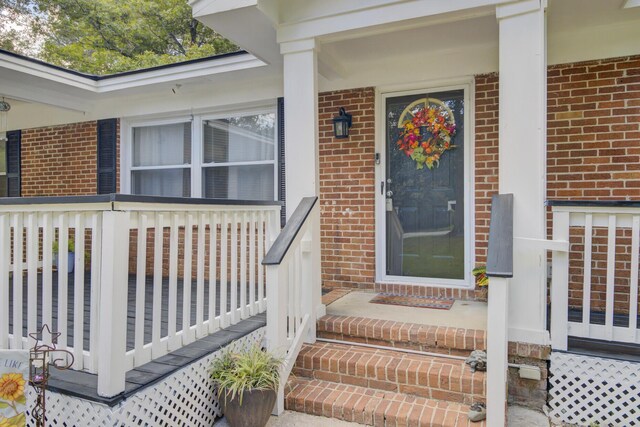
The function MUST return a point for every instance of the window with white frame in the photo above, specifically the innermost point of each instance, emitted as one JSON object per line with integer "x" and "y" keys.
{"x": 239, "y": 157}
{"x": 161, "y": 160}
{"x": 230, "y": 157}
{"x": 3, "y": 167}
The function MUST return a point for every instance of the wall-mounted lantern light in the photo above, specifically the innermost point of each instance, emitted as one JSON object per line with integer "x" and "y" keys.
{"x": 341, "y": 124}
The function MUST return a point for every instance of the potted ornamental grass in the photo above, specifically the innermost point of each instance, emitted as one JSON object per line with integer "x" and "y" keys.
{"x": 71, "y": 258}
{"x": 246, "y": 383}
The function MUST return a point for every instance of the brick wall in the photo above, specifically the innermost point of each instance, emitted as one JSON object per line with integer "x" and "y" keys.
{"x": 485, "y": 159}
{"x": 60, "y": 160}
{"x": 593, "y": 130}
{"x": 347, "y": 178}
{"x": 526, "y": 392}
{"x": 594, "y": 153}
{"x": 593, "y": 136}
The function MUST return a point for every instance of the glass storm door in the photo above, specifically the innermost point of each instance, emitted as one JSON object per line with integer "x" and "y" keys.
{"x": 424, "y": 188}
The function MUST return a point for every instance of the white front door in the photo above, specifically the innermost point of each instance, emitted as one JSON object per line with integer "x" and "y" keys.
{"x": 424, "y": 188}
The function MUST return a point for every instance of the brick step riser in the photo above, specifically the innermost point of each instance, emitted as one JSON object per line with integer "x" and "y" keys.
{"x": 373, "y": 407}
{"x": 411, "y": 375}
{"x": 425, "y": 347}
{"x": 432, "y": 339}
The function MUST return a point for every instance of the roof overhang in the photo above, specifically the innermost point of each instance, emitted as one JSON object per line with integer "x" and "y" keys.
{"x": 204, "y": 67}
{"x": 631, "y": 3}
{"x": 33, "y": 81}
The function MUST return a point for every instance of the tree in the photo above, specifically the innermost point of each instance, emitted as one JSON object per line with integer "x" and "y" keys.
{"x": 109, "y": 36}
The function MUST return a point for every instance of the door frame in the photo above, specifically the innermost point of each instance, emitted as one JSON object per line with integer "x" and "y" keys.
{"x": 382, "y": 93}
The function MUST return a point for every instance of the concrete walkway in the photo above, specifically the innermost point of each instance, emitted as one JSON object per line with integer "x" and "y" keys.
{"x": 518, "y": 417}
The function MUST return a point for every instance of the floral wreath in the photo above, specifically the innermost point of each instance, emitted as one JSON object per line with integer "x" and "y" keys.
{"x": 427, "y": 135}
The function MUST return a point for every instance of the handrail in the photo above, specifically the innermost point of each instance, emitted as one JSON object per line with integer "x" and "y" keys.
{"x": 130, "y": 198}
{"x": 594, "y": 203}
{"x": 288, "y": 234}
{"x": 293, "y": 286}
{"x": 500, "y": 250}
{"x": 500, "y": 270}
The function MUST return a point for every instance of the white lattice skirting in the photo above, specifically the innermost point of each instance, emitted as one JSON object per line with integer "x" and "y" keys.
{"x": 185, "y": 398}
{"x": 585, "y": 389}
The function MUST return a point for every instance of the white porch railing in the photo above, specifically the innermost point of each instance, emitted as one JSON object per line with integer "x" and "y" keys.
{"x": 290, "y": 289}
{"x": 197, "y": 268}
{"x": 594, "y": 289}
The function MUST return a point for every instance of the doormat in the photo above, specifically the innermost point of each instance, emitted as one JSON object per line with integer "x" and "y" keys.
{"x": 414, "y": 301}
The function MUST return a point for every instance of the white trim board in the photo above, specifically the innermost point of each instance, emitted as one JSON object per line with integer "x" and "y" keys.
{"x": 467, "y": 84}
{"x": 131, "y": 80}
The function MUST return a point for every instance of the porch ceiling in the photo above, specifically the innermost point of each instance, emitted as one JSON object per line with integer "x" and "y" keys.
{"x": 385, "y": 42}
{"x": 441, "y": 50}
{"x": 432, "y": 52}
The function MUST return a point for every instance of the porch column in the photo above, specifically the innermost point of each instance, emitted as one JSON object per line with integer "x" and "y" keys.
{"x": 302, "y": 151}
{"x": 522, "y": 153}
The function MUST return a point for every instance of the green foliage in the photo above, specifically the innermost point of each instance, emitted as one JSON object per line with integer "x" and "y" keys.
{"x": 480, "y": 273}
{"x": 254, "y": 369}
{"x": 419, "y": 156}
{"x": 71, "y": 246}
{"x": 109, "y": 36}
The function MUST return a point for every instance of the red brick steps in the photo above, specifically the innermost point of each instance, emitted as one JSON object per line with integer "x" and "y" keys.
{"x": 433, "y": 339}
{"x": 373, "y": 407}
{"x": 387, "y": 387}
{"x": 429, "y": 377}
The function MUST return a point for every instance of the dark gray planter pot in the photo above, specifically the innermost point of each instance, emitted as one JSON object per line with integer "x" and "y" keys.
{"x": 255, "y": 411}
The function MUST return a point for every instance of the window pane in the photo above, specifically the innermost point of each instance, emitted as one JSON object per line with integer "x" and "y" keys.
{"x": 162, "y": 145}
{"x": 239, "y": 139}
{"x": 3, "y": 186}
{"x": 3, "y": 156}
{"x": 166, "y": 182}
{"x": 239, "y": 182}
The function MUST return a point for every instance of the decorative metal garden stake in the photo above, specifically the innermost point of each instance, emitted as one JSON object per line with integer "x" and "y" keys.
{"x": 42, "y": 356}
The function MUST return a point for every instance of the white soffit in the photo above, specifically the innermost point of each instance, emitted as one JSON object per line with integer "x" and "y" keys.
{"x": 192, "y": 70}
{"x": 244, "y": 23}
{"x": 630, "y": 3}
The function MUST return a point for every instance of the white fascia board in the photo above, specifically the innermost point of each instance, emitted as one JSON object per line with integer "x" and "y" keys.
{"x": 631, "y": 3}
{"x": 209, "y": 7}
{"x": 383, "y": 15}
{"x": 45, "y": 72}
{"x": 143, "y": 78}
{"x": 189, "y": 71}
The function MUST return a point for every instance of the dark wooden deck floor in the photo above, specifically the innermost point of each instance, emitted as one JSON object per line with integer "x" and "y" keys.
{"x": 131, "y": 306}
{"x": 85, "y": 385}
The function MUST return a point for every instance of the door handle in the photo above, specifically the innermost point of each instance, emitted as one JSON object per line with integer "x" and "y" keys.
{"x": 389, "y": 193}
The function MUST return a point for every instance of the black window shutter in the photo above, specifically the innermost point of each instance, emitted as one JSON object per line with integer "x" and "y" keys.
{"x": 282, "y": 190}
{"x": 107, "y": 137}
{"x": 14, "y": 138}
